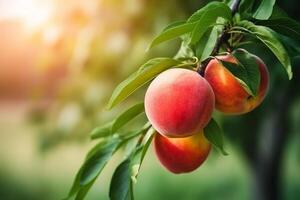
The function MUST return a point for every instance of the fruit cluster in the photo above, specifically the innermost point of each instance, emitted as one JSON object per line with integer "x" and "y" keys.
{"x": 179, "y": 104}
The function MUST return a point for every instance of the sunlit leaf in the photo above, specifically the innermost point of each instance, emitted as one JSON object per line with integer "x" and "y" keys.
{"x": 210, "y": 8}
{"x": 174, "y": 31}
{"x": 126, "y": 116}
{"x": 146, "y": 73}
{"x": 111, "y": 127}
{"x": 206, "y": 44}
{"x": 185, "y": 51}
{"x": 208, "y": 16}
{"x": 102, "y": 131}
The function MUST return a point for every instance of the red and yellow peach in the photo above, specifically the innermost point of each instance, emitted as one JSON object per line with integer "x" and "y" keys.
{"x": 182, "y": 155}
{"x": 231, "y": 97}
{"x": 179, "y": 102}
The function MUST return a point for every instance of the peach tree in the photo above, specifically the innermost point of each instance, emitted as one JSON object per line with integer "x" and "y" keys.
{"x": 209, "y": 72}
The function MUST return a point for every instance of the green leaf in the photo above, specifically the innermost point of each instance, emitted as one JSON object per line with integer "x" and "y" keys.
{"x": 208, "y": 16}
{"x": 248, "y": 61}
{"x": 142, "y": 153}
{"x": 265, "y": 9}
{"x": 185, "y": 51}
{"x": 95, "y": 161}
{"x": 133, "y": 134}
{"x": 265, "y": 35}
{"x": 82, "y": 192}
{"x": 210, "y": 7}
{"x": 246, "y": 70}
{"x": 246, "y": 6}
{"x": 278, "y": 13}
{"x": 292, "y": 46}
{"x": 126, "y": 116}
{"x": 214, "y": 135}
{"x": 172, "y": 32}
{"x": 120, "y": 182}
{"x": 206, "y": 44}
{"x": 197, "y": 23}
{"x": 174, "y": 24}
{"x": 146, "y": 73}
{"x": 284, "y": 25}
{"x": 146, "y": 143}
{"x": 111, "y": 127}
{"x": 102, "y": 131}
{"x": 239, "y": 73}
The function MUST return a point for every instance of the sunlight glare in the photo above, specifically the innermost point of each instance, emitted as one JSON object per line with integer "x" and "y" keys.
{"x": 31, "y": 13}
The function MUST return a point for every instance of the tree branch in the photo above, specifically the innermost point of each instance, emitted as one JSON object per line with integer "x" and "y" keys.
{"x": 221, "y": 39}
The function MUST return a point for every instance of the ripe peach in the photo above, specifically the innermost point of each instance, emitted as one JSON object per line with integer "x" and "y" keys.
{"x": 231, "y": 97}
{"x": 182, "y": 155}
{"x": 179, "y": 102}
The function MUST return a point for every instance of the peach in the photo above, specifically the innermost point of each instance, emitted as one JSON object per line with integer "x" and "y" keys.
{"x": 179, "y": 102}
{"x": 182, "y": 155}
{"x": 231, "y": 97}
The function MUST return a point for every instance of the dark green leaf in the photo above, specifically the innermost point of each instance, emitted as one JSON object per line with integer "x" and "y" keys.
{"x": 127, "y": 116}
{"x": 207, "y": 16}
{"x": 146, "y": 73}
{"x": 120, "y": 182}
{"x": 285, "y": 26}
{"x": 265, "y": 9}
{"x": 214, "y": 134}
{"x": 95, "y": 160}
{"x": 266, "y": 36}
{"x": 250, "y": 65}
{"x": 171, "y": 33}
{"x": 239, "y": 73}
{"x": 292, "y": 46}
{"x": 246, "y": 6}
{"x": 246, "y": 71}
{"x": 278, "y": 13}
{"x": 82, "y": 192}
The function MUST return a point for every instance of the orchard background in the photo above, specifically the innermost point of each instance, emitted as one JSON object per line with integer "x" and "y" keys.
{"x": 59, "y": 63}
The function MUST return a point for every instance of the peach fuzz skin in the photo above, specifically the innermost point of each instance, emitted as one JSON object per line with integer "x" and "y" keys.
{"x": 179, "y": 102}
{"x": 181, "y": 155}
{"x": 231, "y": 97}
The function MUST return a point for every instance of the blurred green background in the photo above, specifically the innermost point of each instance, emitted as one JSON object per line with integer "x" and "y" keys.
{"x": 59, "y": 62}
